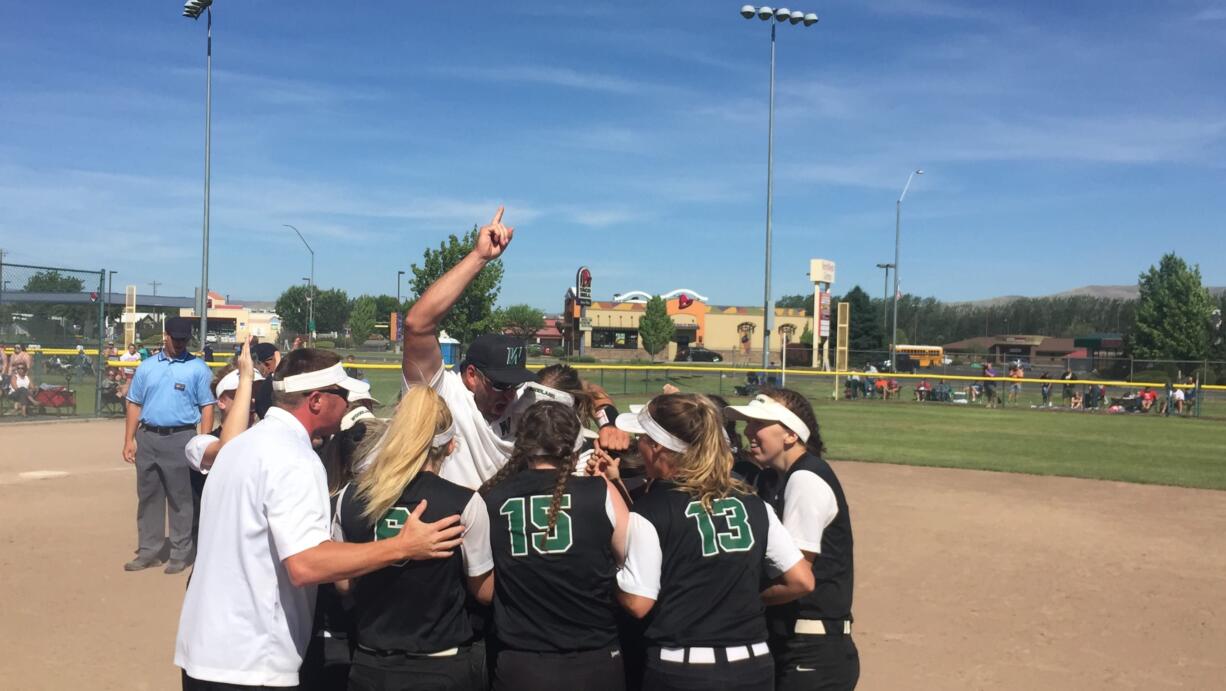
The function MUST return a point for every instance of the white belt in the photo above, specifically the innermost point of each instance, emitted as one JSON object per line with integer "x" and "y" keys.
{"x": 450, "y": 652}
{"x": 815, "y": 627}
{"x": 706, "y": 656}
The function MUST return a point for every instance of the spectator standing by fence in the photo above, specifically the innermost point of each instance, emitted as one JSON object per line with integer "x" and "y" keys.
{"x": 130, "y": 356}
{"x": 1069, "y": 389}
{"x": 170, "y": 396}
{"x": 21, "y": 356}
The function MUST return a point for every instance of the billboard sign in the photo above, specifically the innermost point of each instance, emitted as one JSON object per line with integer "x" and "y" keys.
{"x": 583, "y": 286}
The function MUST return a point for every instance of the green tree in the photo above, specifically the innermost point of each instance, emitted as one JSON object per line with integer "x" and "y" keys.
{"x": 331, "y": 309}
{"x": 803, "y": 302}
{"x": 386, "y": 304}
{"x": 291, "y": 307}
{"x": 656, "y": 328}
{"x": 864, "y": 329}
{"x": 1172, "y": 316}
{"x": 57, "y": 321}
{"x": 473, "y": 313}
{"x": 522, "y": 321}
{"x": 362, "y": 319}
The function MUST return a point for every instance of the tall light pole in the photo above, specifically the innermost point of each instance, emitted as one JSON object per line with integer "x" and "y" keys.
{"x": 897, "y": 237}
{"x": 310, "y": 288}
{"x": 398, "y": 280}
{"x": 781, "y": 15}
{"x": 885, "y": 299}
{"x": 192, "y": 9}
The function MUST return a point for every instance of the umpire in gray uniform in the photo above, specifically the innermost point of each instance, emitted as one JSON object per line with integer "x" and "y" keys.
{"x": 169, "y": 399}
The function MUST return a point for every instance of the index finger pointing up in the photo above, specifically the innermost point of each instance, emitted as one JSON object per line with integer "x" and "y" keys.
{"x": 497, "y": 217}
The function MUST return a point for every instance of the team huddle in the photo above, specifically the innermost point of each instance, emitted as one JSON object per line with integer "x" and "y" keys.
{"x": 510, "y": 529}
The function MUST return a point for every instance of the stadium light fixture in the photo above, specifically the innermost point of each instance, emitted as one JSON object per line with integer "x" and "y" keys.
{"x": 794, "y": 17}
{"x": 897, "y": 237}
{"x": 194, "y": 8}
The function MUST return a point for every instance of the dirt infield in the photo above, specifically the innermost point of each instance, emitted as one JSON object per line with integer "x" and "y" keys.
{"x": 966, "y": 580}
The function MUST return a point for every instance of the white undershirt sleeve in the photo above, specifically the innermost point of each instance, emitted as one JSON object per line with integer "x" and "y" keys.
{"x": 809, "y": 506}
{"x": 608, "y": 505}
{"x": 640, "y": 575}
{"x": 195, "y": 449}
{"x": 475, "y": 547}
{"x": 781, "y": 553}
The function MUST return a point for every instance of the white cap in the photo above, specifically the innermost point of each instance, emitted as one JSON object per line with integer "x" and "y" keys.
{"x": 230, "y": 382}
{"x": 362, "y": 393}
{"x": 763, "y": 407}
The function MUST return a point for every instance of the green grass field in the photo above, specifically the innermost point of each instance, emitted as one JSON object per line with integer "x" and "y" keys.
{"x": 1133, "y": 448}
{"x": 1017, "y": 438}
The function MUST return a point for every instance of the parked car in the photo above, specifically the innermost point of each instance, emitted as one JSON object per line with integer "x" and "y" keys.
{"x": 697, "y": 354}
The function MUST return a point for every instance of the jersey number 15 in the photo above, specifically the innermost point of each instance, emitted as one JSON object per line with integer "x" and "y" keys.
{"x": 535, "y": 509}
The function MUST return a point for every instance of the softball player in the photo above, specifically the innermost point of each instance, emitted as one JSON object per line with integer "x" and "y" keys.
{"x": 811, "y": 637}
{"x": 411, "y": 625}
{"x": 557, "y": 540}
{"x": 700, "y": 545}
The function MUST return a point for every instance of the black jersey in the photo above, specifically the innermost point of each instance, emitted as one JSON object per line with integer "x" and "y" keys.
{"x": 712, "y": 567}
{"x": 833, "y": 569}
{"x": 415, "y": 606}
{"x": 553, "y": 590}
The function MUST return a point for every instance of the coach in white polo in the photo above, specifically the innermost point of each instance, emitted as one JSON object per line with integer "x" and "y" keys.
{"x": 264, "y": 538}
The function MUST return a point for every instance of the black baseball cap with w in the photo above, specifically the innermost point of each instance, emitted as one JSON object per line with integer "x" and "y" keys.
{"x": 502, "y": 359}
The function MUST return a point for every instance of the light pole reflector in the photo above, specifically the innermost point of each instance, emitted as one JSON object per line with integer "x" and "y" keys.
{"x": 810, "y": 19}
{"x": 797, "y": 17}
{"x": 765, "y": 13}
{"x": 782, "y": 14}
{"x": 748, "y": 11}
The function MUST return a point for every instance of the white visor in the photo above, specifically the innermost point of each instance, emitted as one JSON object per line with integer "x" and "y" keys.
{"x": 443, "y": 438}
{"x": 362, "y": 393}
{"x": 642, "y": 423}
{"x": 540, "y": 392}
{"x": 230, "y": 382}
{"x": 355, "y": 416}
{"x": 319, "y": 379}
{"x": 763, "y": 407}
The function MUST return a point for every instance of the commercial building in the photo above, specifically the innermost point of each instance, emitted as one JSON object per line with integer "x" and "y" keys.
{"x": 235, "y": 323}
{"x": 611, "y": 328}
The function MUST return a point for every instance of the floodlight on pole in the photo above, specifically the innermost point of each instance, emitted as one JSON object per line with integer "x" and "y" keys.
{"x": 781, "y": 15}
{"x": 192, "y": 9}
{"x": 897, "y": 236}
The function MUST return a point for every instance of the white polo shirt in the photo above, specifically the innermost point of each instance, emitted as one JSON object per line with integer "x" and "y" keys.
{"x": 243, "y": 621}
{"x": 484, "y": 447}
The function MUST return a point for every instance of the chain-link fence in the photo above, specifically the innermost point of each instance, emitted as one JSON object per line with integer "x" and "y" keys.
{"x": 52, "y": 324}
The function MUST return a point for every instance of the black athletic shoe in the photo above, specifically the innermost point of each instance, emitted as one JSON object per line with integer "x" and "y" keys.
{"x": 176, "y": 566}
{"x": 142, "y": 563}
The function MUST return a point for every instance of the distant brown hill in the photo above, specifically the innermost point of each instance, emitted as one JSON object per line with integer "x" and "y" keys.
{"x": 1128, "y": 292}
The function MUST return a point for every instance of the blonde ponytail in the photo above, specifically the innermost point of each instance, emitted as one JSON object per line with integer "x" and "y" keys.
{"x": 704, "y": 470}
{"x": 405, "y": 450}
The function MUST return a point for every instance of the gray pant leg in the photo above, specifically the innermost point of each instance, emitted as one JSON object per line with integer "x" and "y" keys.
{"x": 176, "y": 476}
{"x": 150, "y": 497}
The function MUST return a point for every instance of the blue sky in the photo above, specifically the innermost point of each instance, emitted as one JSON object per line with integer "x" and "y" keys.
{"x": 1065, "y": 143}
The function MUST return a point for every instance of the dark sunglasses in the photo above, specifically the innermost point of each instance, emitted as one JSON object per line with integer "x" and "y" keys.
{"x": 497, "y": 386}
{"x": 337, "y": 391}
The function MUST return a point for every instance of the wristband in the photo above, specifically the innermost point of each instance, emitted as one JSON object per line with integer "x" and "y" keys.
{"x": 606, "y": 415}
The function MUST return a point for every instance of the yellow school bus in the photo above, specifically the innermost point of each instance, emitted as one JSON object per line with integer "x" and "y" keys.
{"x": 922, "y": 355}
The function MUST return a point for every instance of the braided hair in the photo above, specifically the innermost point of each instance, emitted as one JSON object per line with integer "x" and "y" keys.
{"x": 546, "y": 431}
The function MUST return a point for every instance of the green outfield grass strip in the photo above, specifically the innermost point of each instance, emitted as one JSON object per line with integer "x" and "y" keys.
{"x": 800, "y": 373}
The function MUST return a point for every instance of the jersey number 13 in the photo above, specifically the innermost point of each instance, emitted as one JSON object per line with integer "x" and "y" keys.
{"x": 535, "y": 510}
{"x": 737, "y": 538}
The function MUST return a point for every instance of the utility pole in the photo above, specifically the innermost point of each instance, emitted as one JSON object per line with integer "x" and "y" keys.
{"x": 154, "y": 285}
